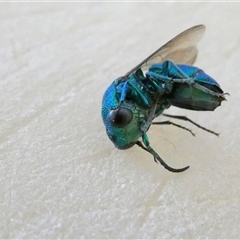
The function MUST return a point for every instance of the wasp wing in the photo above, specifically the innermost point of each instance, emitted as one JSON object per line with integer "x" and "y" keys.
{"x": 181, "y": 49}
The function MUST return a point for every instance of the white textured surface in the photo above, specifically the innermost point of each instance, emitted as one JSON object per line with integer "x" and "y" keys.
{"x": 60, "y": 176}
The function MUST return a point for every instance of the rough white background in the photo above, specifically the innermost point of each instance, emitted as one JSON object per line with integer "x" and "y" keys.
{"x": 60, "y": 176}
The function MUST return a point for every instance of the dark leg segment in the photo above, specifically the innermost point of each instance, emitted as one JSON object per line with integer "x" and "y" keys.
{"x": 174, "y": 124}
{"x": 189, "y": 120}
{"x": 146, "y": 146}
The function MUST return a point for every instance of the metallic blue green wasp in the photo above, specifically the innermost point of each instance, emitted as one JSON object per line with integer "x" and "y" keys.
{"x": 132, "y": 101}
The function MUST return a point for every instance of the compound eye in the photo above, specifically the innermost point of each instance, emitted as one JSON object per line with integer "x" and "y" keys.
{"x": 120, "y": 117}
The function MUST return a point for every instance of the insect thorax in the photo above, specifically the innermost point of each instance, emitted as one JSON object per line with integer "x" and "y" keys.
{"x": 143, "y": 93}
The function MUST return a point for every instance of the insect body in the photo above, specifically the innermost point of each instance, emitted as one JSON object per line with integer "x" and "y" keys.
{"x": 132, "y": 102}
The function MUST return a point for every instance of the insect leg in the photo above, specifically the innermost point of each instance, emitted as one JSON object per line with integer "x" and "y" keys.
{"x": 146, "y": 146}
{"x": 174, "y": 124}
{"x": 140, "y": 93}
{"x": 169, "y": 74}
{"x": 169, "y": 68}
{"x": 124, "y": 92}
{"x": 189, "y": 120}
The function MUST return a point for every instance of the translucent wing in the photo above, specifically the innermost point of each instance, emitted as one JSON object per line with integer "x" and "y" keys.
{"x": 181, "y": 49}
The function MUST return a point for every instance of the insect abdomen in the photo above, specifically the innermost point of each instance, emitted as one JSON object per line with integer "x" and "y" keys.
{"x": 190, "y": 97}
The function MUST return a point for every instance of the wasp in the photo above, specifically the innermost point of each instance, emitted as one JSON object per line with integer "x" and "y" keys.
{"x": 133, "y": 101}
